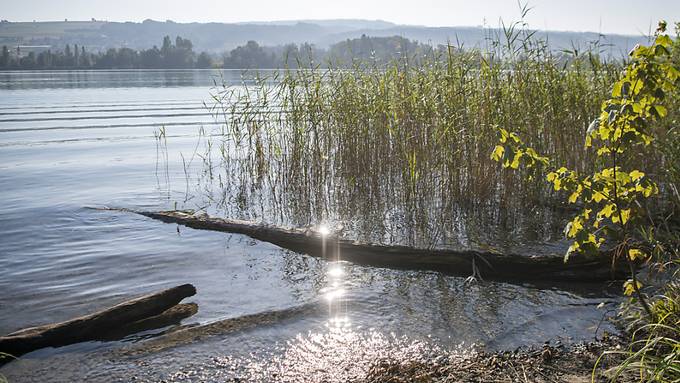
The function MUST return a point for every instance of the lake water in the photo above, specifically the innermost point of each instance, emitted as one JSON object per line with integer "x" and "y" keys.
{"x": 70, "y": 141}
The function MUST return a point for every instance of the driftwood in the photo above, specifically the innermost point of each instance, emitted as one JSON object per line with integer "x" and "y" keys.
{"x": 484, "y": 264}
{"x": 147, "y": 312}
{"x": 194, "y": 333}
{"x": 168, "y": 317}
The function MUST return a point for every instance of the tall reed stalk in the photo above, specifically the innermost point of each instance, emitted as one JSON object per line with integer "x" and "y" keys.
{"x": 402, "y": 150}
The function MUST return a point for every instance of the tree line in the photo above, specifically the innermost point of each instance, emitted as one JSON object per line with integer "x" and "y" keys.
{"x": 179, "y": 55}
{"x": 251, "y": 55}
{"x": 341, "y": 54}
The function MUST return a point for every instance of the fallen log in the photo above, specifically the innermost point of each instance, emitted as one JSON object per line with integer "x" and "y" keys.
{"x": 194, "y": 333}
{"x": 169, "y": 317}
{"x": 147, "y": 312}
{"x": 511, "y": 267}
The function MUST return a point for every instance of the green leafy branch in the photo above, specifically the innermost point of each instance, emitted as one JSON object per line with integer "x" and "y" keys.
{"x": 611, "y": 197}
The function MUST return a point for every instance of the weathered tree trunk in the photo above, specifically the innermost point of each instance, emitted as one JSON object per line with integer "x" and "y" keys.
{"x": 487, "y": 265}
{"x": 191, "y": 334}
{"x": 169, "y": 317}
{"x": 143, "y": 313}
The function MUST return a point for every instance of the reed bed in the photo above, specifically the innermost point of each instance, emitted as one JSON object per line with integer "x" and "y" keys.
{"x": 399, "y": 151}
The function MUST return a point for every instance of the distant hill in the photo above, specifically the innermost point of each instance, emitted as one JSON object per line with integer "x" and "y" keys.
{"x": 333, "y": 24}
{"x": 478, "y": 37}
{"x": 220, "y": 37}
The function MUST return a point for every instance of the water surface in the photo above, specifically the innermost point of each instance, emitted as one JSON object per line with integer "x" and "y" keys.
{"x": 74, "y": 140}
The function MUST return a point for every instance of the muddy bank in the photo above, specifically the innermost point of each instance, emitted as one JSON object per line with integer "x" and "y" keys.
{"x": 551, "y": 363}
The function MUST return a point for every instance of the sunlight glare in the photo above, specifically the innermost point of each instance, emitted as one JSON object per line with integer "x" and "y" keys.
{"x": 333, "y": 295}
{"x": 339, "y": 322}
{"x": 324, "y": 230}
{"x": 336, "y": 272}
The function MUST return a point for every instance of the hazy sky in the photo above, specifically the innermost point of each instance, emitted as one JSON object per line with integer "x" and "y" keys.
{"x": 607, "y": 16}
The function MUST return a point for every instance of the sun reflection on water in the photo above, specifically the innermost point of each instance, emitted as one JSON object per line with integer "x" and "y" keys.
{"x": 335, "y": 271}
{"x": 343, "y": 353}
{"x": 333, "y": 295}
{"x": 339, "y": 322}
{"x": 336, "y": 349}
{"x": 336, "y": 295}
{"x": 323, "y": 230}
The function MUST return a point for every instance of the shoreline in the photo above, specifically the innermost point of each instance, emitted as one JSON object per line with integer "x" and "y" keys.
{"x": 550, "y": 363}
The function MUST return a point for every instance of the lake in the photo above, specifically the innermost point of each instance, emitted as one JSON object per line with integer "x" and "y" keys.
{"x": 73, "y": 140}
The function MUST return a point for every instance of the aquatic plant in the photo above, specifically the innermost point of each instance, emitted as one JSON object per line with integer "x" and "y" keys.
{"x": 407, "y": 142}
{"x": 654, "y": 350}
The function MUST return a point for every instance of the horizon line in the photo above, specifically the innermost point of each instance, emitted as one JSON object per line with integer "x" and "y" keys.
{"x": 311, "y": 21}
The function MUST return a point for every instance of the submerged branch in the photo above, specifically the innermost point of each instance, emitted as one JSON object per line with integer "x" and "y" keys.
{"x": 488, "y": 265}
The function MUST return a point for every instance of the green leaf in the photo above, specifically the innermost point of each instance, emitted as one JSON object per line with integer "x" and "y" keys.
{"x": 661, "y": 111}
{"x": 649, "y": 190}
{"x": 597, "y": 196}
{"x": 672, "y": 74}
{"x": 504, "y": 135}
{"x": 573, "y": 197}
{"x": 636, "y": 175}
{"x": 557, "y": 184}
{"x": 574, "y": 227}
{"x": 608, "y": 210}
{"x": 515, "y": 161}
{"x": 629, "y": 287}
{"x": 664, "y": 41}
{"x": 625, "y": 215}
{"x": 603, "y": 150}
{"x": 634, "y": 254}
{"x": 637, "y": 87}
{"x": 551, "y": 176}
{"x": 497, "y": 153}
{"x": 573, "y": 248}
